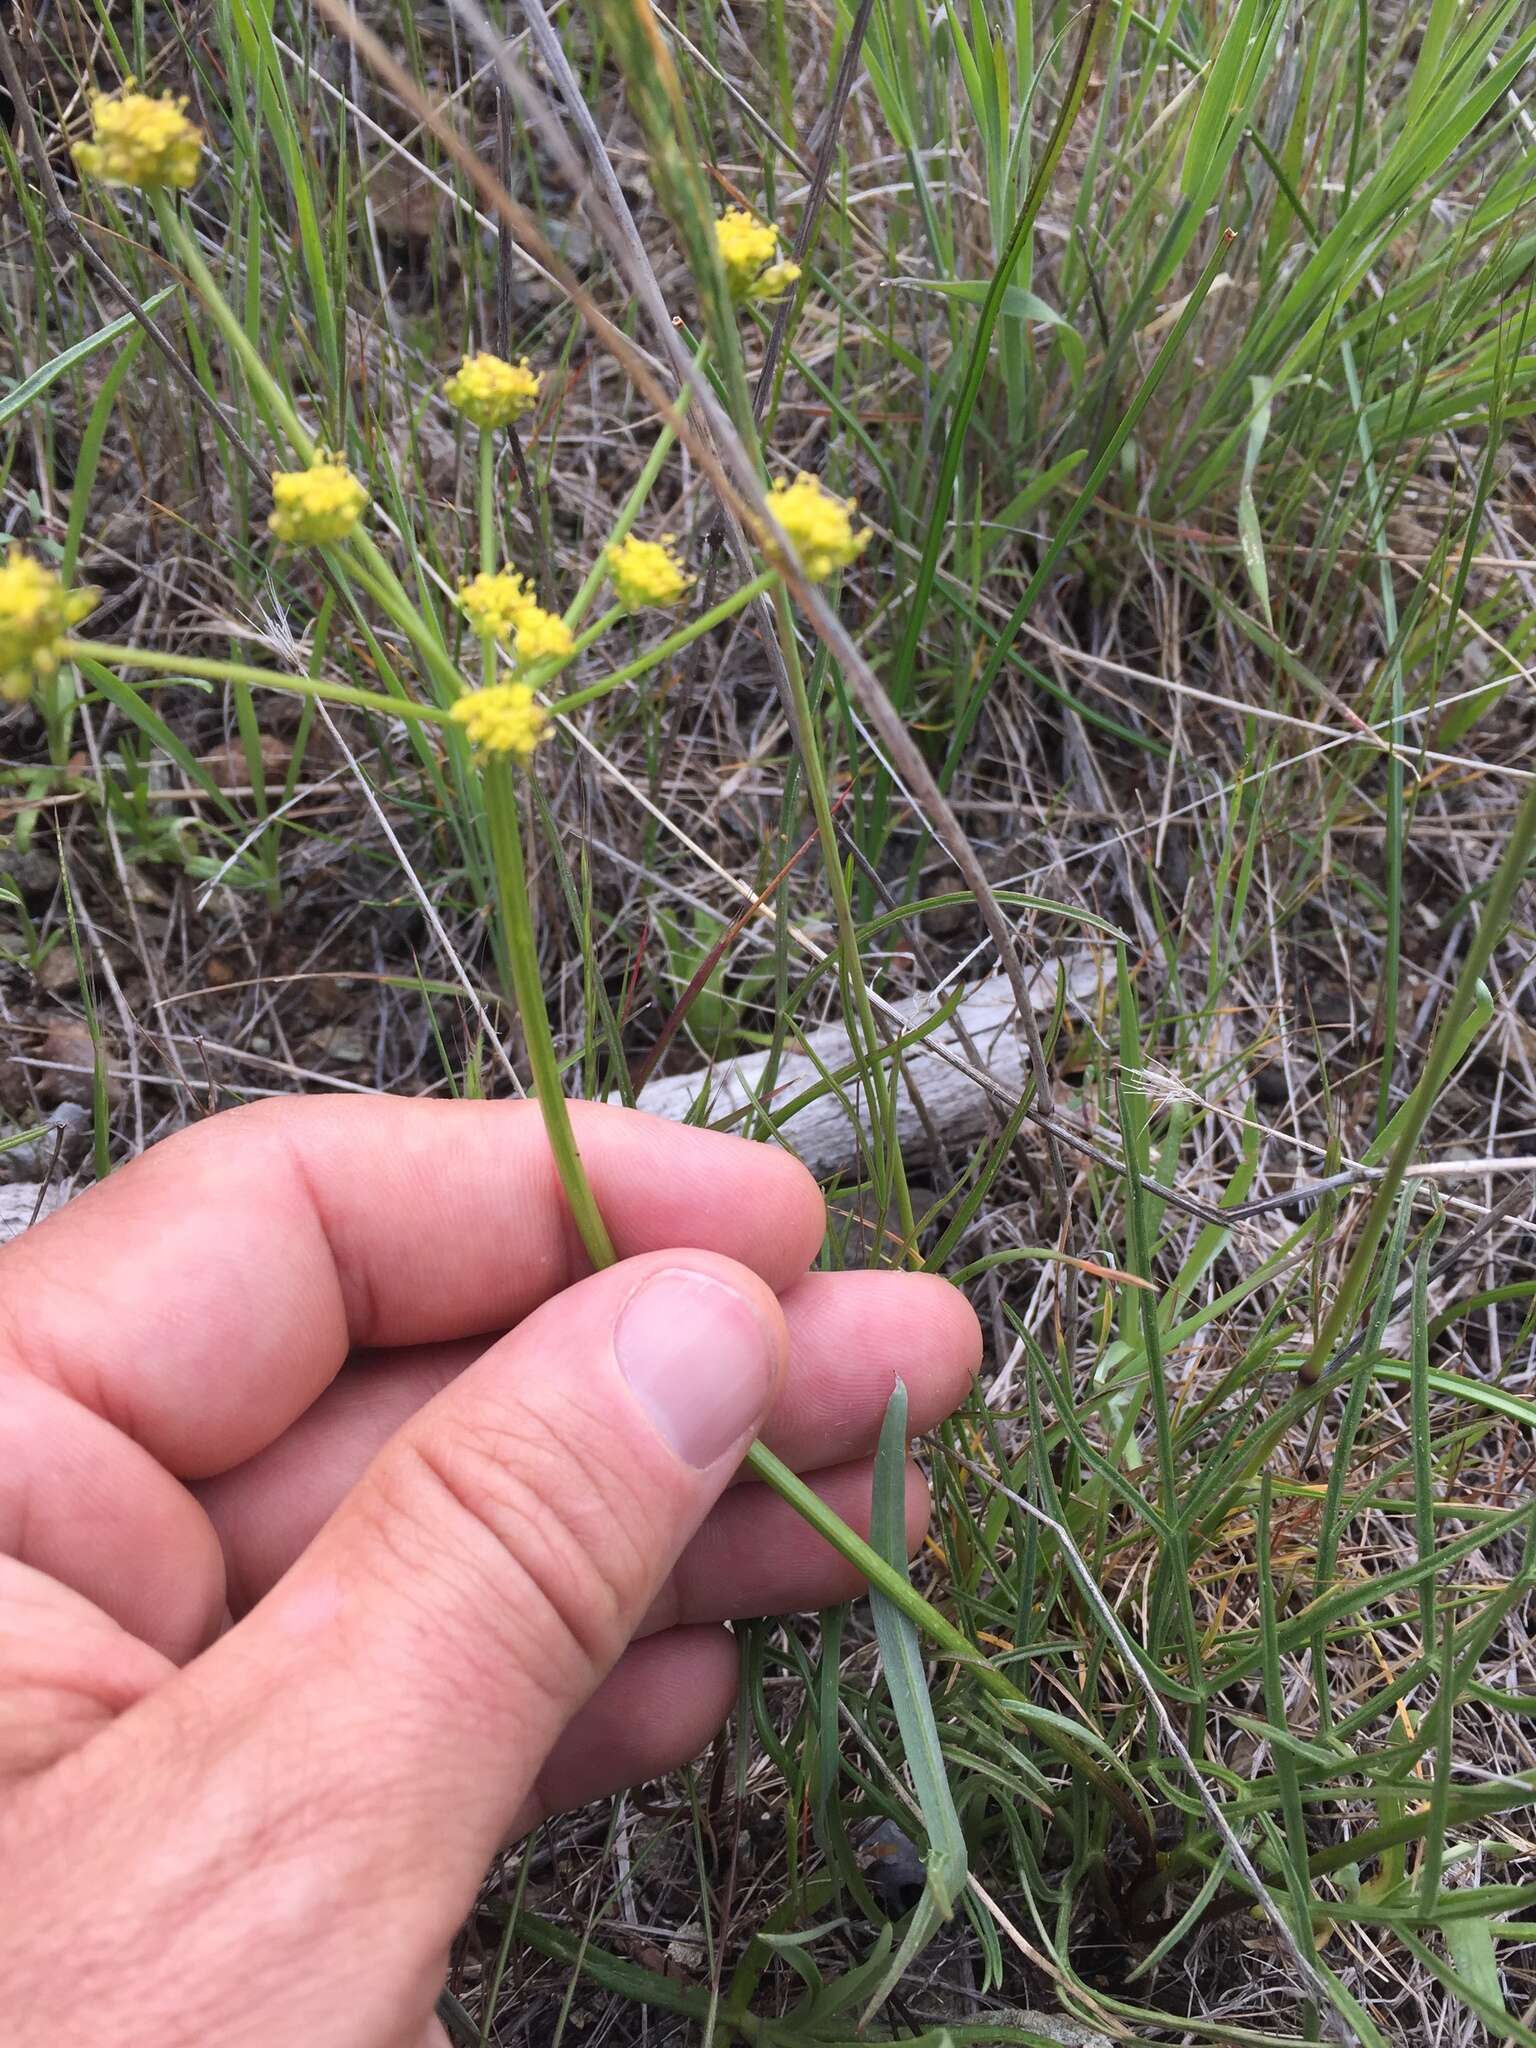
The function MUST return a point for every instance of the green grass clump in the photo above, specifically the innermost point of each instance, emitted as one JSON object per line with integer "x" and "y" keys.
{"x": 1179, "y": 359}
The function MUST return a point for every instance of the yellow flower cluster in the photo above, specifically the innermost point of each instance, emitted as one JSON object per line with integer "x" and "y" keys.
{"x": 747, "y": 248}
{"x": 504, "y": 719}
{"x": 541, "y": 636}
{"x": 318, "y": 506}
{"x": 36, "y": 612}
{"x": 647, "y": 572}
{"x": 494, "y": 604}
{"x": 502, "y": 607}
{"x": 819, "y": 525}
{"x": 491, "y": 393}
{"x": 140, "y": 141}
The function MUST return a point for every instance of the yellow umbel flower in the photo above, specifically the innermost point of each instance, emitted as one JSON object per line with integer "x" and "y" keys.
{"x": 504, "y": 719}
{"x": 36, "y": 612}
{"x": 495, "y": 605}
{"x": 317, "y": 506}
{"x": 140, "y": 141}
{"x": 541, "y": 636}
{"x": 491, "y": 393}
{"x": 646, "y": 572}
{"x": 819, "y": 524}
{"x": 502, "y": 607}
{"x": 747, "y": 248}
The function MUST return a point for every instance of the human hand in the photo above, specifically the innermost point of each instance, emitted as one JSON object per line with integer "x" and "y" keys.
{"x": 317, "y": 1587}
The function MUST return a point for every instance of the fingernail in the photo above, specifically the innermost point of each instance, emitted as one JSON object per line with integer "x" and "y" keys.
{"x": 699, "y": 1361}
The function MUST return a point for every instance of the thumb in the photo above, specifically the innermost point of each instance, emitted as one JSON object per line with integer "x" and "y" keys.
{"x": 491, "y": 1566}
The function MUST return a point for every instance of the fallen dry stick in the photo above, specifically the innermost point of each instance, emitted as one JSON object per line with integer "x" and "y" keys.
{"x": 824, "y": 1133}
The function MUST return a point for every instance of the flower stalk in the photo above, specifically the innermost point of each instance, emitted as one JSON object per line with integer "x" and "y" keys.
{"x": 198, "y": 668}
{"x": 501, "y": 810}
{"x": 488, "y": 545}
{"x": 663, "y": 650}
{"x": 502, "y": 813}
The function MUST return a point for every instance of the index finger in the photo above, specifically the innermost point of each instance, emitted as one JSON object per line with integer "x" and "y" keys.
{"x": 201, "y": 1298}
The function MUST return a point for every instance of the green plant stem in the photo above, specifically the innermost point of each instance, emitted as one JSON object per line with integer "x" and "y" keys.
{"x": 392, "y": 600}
{"x": 634, "y": 504}
{"x": 488, "y": 549}
{"x": 176, "y": 235}
{"x": 383, "y": 581}
{"x": 882, "y": 1575}
{"x": 502, "y": 813}
{"x": 202, "y": 670}
{"x": 489, "y": 552}
{"x": 501, "y": 810}
{"x": 852, "y": 967}
{"x": 582, "y": 642}
{"x": 664, "y": 649}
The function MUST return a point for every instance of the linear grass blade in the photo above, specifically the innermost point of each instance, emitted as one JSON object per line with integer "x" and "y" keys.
{"x": 46, "y": 375}
{"x": 906, "y": 1680}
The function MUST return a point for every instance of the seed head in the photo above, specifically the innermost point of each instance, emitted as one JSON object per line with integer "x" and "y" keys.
{"x": 747, "y": 248}
{"x": 541, "y": 636}
{"x": 495, "y": 605}
{"x": 819, "y": 525}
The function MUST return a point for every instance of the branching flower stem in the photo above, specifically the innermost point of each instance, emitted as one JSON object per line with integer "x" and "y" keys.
{"x": 201, "y": 669}
{"x": 502, "y": 802}
{"x": 501, "y": 810}
{"x": 499, "y": 778}
{"x": 674, "y": 643}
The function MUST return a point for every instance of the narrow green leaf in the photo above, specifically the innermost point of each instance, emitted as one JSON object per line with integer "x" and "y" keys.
{"x": 901, "y": 1655}
{"x": 31, "y": 388}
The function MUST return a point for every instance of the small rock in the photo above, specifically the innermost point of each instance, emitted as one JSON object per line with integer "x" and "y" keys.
{"x": 571, "y": 238}
{"x": 1271, "y": 1086}
{"x": 894, "y": 1866}
{"x": 72, "y": 1056}
{"x": 23, "y": 1201}
{"x": 230, "y": 768}
{"x": 61, "y": 1148}
{"x": 686, "y": 1949}
{"x": 406, "y": 206}
{"x": 143, "y": 888}
{"x": 57, "y": 971}
{"x": 342, "y": 1045}
{"x": 33, "y": 874}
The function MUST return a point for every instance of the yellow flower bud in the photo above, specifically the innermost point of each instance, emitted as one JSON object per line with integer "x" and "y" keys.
{"x": 140, "y": 141}
{"x": 819, "y": 525}
{"x": 502, "y": 607}
{"x": 541, "y": 636}
{"x": 747, "y": 248}
{"x": 36, "y": 613}
{"x": 491, "y": 393}
{"x": 318, "y": 506}
{"x": 504, "y": 719}
{"x": 647, "y": 572}
{"x": 495, "y": 605}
